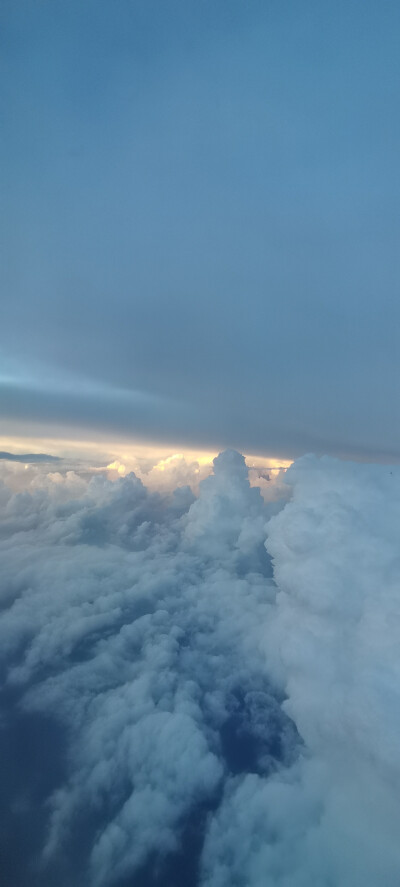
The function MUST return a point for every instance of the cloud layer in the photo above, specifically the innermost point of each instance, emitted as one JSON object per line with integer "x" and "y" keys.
{"x": 200, "y": 214}
{"x": 332, "y": 818}
{"x": 179, "y": 709}
{"x": 135, "y": 622}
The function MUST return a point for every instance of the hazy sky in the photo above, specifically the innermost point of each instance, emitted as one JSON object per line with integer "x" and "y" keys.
{"x": 200, "y": 222}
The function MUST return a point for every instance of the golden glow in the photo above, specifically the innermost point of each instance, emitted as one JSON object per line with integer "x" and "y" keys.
{"x": 154, "y": 463}
{"x": 104, "y": 451}
{"x": 116, "y": 466}
{"x": 163, "y": 464}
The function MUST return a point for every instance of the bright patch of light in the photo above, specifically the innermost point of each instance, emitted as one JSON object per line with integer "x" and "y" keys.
{"x": 116, "y": 466}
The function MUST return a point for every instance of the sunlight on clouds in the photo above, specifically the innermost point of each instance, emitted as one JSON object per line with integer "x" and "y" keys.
{"x": 116, "y": 466}
{"x": 163, "y": 464}
{"x": 159, "y": 467}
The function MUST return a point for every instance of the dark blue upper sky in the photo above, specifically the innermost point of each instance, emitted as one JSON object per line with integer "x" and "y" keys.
{"x": 201, "y": 221}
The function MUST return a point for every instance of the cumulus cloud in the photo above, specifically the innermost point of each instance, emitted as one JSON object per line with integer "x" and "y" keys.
{"x": 201, "y": 690}
{"x": 333, "y": 817}
{"x": 135, "y": 622}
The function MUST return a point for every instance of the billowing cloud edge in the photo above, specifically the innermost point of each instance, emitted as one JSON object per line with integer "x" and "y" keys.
{"x": 189, "y": 683}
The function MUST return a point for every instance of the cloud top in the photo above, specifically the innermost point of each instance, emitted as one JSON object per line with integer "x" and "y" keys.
{"x": 207, "y": 686}
{"x": 135, "y": 622}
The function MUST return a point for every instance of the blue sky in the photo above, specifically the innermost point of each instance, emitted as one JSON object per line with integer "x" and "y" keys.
{"x": 200, "y": 223}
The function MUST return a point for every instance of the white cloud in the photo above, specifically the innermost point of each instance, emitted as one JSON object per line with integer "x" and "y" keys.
{"x": 333, "y": 818}
{"x": 137, "y": 621}
{"x": 148, "y": 627}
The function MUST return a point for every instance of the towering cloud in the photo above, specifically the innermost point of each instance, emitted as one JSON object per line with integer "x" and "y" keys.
{"x": 332, "y": 818}
{"x": 178, "y": 708}
{"x": 134, "y": 626}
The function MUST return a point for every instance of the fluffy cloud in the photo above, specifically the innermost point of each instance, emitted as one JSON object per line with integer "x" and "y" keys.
{"x": 174, "y": 711}
{"x": 333, "y": 817}
{"x": 135, "y": 622}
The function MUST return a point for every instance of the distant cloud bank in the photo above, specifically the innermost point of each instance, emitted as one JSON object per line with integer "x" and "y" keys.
{"x": 201, "y": 689}
{"x": 28, "y": 457}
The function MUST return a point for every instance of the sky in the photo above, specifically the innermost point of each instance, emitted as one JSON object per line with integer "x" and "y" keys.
{"x": 200, "y": 225}
{"x": 199, "y": 585}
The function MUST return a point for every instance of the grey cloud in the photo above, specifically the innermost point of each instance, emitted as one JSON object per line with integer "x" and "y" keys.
{"x": 28, "y": 457}
{"x": 200, "y": 206}
{"x": 332, "y": 817}
{"x": 178, "y": 709}
{"x": 225, "y": 418}
{"x": 135, "y": 621}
